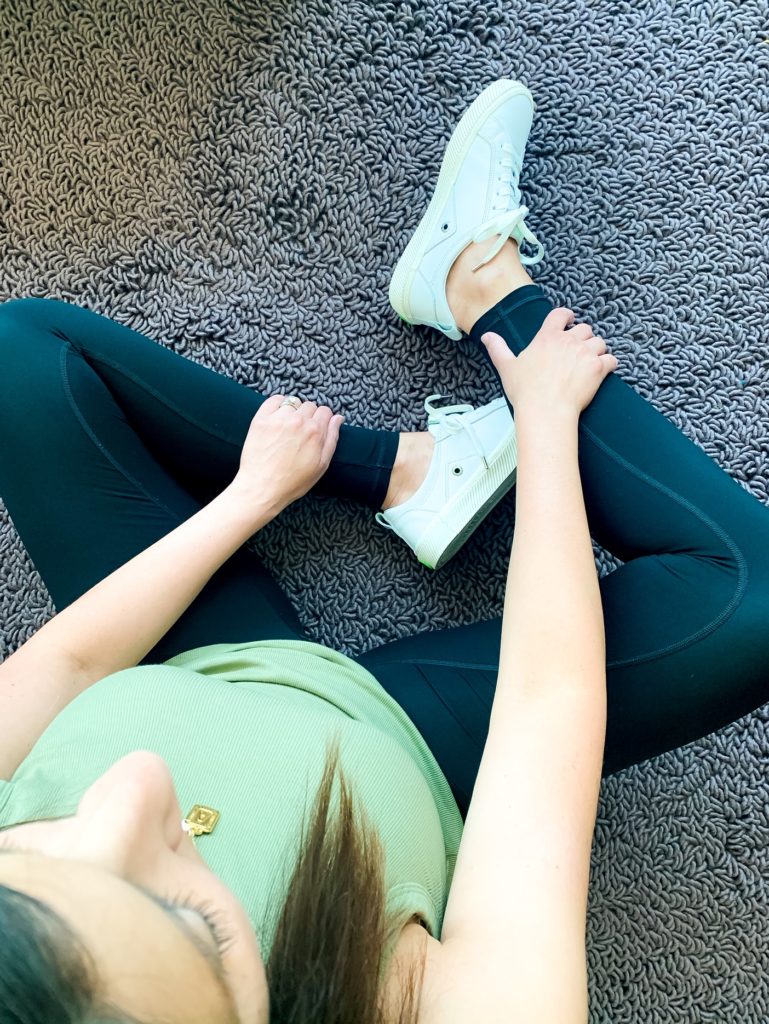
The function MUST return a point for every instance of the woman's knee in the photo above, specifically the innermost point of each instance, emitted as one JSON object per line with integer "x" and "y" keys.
{"x": 17, "y": 312}
{"x": 30, "y": 346}
{"x": 27, "y": 322}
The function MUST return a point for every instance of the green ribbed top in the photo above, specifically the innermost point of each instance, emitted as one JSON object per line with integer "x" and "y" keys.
{"x": 245, "y": 729}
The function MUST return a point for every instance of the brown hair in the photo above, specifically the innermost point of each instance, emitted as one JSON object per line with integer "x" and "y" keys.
{"x": 327, "y": 960}
{"x": 326, "y": 965}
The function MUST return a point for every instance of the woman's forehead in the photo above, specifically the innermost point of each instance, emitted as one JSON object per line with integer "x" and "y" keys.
{"x": 109, "y": 914}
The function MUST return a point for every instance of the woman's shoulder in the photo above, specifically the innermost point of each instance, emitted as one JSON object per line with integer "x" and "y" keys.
{"x": 415, "y": 956}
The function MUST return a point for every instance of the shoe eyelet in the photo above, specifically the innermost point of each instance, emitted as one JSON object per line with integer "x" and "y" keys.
{"x": 444, "y": 227}
{"x": 457, "y": 470}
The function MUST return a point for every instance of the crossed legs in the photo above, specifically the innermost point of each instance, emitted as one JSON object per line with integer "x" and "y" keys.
{"x": 685, "y": 616}
{"x": 109, "y": 441}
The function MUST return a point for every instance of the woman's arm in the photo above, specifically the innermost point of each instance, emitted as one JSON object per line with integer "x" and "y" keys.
{"x": 116, "y": 623}
{"x": 520, "y": 885}
{"x": 514, "y": 928}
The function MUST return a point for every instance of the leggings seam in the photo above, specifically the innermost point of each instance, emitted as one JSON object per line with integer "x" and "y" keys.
{"x": 90, "y": 357}
{"x": 384, "y": 467}
{"x": 441, "y": 663}
{"x": 446, "y": 705}
{"x": 99, "y": 444}
{"x": 739, "y": 558}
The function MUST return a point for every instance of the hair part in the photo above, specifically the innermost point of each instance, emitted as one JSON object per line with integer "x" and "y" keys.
{"x": 326, "y": 964}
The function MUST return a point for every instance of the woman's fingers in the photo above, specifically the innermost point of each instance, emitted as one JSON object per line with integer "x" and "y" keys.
{"x": 307, "y": 410}
{"x": 323, "y": 413}
{"x": 581, "y": 332}
{"x": 498, "y": 349}
{"x": 559, "y": 318}
{"x": 332, "y": 437}
{"x": 329, "y": 425}
{"x": 270, "y": 404}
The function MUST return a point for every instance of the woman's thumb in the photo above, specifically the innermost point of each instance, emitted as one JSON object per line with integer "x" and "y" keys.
{"x": 496, "y": 346}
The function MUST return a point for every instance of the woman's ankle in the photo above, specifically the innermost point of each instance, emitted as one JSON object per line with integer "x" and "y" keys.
{"x": 471, "y": 293}
{"x": 412, "y": 460}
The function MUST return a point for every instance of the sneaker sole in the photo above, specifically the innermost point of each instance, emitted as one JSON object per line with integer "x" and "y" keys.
{"x": 456, "y": 151}
{"x": 439, "y": 549}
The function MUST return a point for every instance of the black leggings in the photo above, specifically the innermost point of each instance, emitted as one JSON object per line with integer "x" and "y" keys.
{"x": 108, "y": 441}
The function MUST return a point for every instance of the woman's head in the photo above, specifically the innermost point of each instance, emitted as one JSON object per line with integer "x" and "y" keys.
{"x": 115, "y": 907}
{"x": 166, "y": 939}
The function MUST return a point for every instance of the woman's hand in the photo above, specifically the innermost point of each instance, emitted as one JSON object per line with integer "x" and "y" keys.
{"x": 286, "y": 450}
{"x": 561, "y": 369}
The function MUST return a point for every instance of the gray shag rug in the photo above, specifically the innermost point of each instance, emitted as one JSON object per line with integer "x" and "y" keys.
{"x": 237, "y": 180}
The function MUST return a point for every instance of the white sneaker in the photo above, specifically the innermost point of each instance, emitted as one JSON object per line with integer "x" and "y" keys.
{"x": 476, "y": 198}
{"x": 473, "y": 467}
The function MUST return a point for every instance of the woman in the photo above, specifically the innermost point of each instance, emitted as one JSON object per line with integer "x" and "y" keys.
{"x": 169, "y": 827}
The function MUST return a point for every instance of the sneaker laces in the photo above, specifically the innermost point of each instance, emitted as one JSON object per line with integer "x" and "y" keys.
{"x": 507, "y": 195}
{"x": 450, "y": 417}
{"x": 508, "y": 221}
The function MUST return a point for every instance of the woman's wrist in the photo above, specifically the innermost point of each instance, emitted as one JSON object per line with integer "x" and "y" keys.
{"x": 548, "y": 449}
{"x": 542, "y": 420}
{"x": 256, "y": 502}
